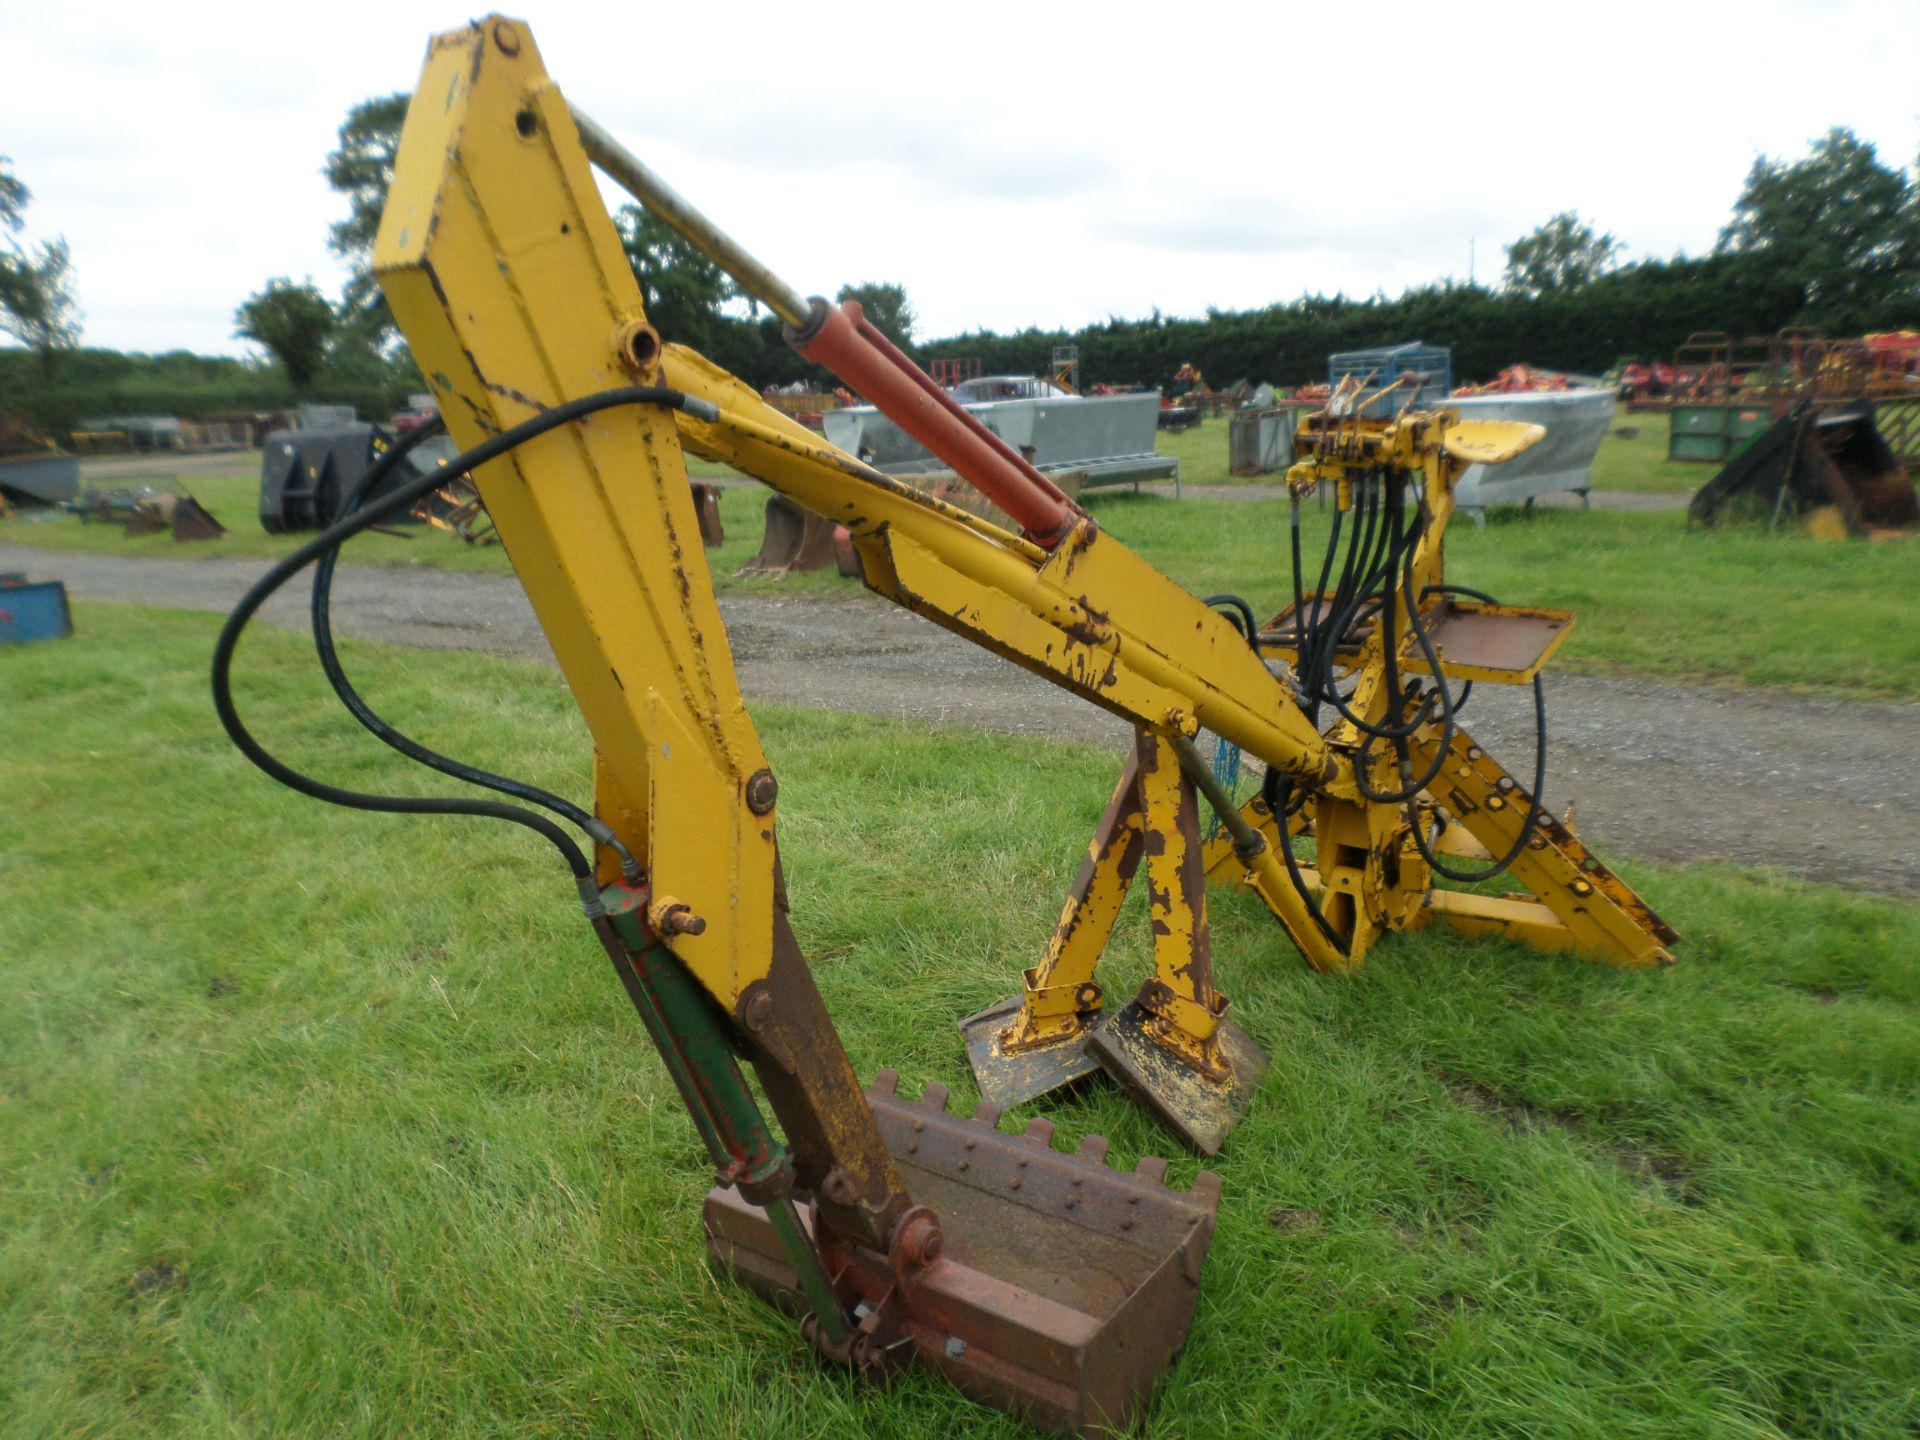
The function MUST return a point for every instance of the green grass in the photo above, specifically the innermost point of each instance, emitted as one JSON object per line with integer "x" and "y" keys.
{"x": 1202, "y": 452}
{"x": 326, "y": 1124}
{"x": 1639, "y": 461}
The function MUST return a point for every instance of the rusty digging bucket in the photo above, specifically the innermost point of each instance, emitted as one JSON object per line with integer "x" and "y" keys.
{"x": 1063, "y": 1289}
{"x": 706, "y": 505}
{"x": 795, "y": 539}
{"x": 1830, "y": 470}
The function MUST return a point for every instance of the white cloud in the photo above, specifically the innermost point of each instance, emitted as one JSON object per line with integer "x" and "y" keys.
{"x": 1009, "y": 165}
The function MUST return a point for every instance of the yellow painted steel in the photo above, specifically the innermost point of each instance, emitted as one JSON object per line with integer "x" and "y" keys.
{"x": 1060, "y": 997}
{"x": 1181, "y": 994}
{"x": 507, "y": 277}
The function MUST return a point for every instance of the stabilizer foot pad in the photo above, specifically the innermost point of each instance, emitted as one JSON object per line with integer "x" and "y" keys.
{"x": 1200, "y": 1111}
{"x": 1009, "y": 1079}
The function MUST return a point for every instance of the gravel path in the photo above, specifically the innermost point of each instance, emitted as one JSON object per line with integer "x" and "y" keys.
{"x": 1821, "y": 788}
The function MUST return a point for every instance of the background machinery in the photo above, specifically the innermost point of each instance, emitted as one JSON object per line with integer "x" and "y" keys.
{"x": 1047, "y": 1283}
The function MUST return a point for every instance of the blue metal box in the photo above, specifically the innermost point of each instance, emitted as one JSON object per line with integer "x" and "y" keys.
{"x": 34, "y": 612}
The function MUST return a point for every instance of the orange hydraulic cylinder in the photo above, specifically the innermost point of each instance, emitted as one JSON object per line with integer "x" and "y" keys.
{"x": 868, "y": 362}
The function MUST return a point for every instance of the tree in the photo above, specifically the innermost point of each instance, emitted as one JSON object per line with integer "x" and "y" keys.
{"x": 13, "y": 197}
{"x": 294, "y": 324}
{"x": 1563, "y": 254}
{"x": 1839, "y": 224}
{"x": 361, "y": 168}
{"x": 886, "y": 308}
{"x": 37, "y": 305}
{"x": 683, "y": 290}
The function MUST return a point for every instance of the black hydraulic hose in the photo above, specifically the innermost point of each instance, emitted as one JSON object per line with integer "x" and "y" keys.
{"x": 375, "y": 724}
{"x": 1323, "y": 636}
{"x": 1399, "y": 554}
{"x": 1248, "y": 626}
{"x": 390, "y": 504}
{"x": 1281, "y": 802}
{"x": 1445, "y": 709}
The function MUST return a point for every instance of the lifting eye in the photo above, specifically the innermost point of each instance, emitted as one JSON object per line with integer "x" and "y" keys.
{"x": 526, "y": 122}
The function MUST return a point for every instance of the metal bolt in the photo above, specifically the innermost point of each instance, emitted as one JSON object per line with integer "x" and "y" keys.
{"x": 838, "y": 1187}
{"x": 759, "y": 1011}
{"x": 920, "y": 1239}
{"x": 506, "y": 37}
{"x": 956, "y": 1347}
{"x": 679, "y": 920}
{"x": 762, "y": 791}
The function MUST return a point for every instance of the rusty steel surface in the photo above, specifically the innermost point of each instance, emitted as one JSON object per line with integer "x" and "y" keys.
{"x": 795, "y": 539}
{"x": 706, "y": 504}
{"x": 1106, "y": 1262}
{"x": 1507, "y": 644}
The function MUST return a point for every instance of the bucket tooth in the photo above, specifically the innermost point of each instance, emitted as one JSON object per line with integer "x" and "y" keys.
{"x": 886, "y": 1082}
{"x": 1013, "y": 1077}
{"x": 934, "y": 1097}
{"x": 1153, "y": 1169}
{"x": 1039, "y": 1131}
{"x": 1201, "y": 1111}
{"x": 1064, "y": 1287}
{"x": 988, "y": 1114}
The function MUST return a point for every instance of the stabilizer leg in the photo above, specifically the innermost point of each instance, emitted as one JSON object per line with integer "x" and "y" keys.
{"x": 1032, "y": 1043}
{"x": 1172, "y": 1045}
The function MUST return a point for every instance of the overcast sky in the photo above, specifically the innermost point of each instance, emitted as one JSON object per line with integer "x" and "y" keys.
{"x": 1009, "y": 164}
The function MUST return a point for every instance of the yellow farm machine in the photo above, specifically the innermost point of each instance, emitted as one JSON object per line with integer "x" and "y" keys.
{"x": 1048, "y": 1283}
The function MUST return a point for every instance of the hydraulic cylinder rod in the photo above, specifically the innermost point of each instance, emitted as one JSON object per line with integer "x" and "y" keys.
{"x": 844, "y": 342}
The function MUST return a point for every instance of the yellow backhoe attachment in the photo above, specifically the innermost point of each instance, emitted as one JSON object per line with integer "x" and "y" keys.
{"x": 1047, "y": 1283}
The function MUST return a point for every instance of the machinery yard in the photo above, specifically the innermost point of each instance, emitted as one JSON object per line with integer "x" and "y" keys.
{"x": 1375, "y": 896}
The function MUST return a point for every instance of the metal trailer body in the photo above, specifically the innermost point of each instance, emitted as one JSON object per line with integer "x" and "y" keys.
{"x": 1109, "y": 437}
{"x": 39, "y": 479}
{"x": 1576, "y": 421}
{"x": 1260, "y": 442}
